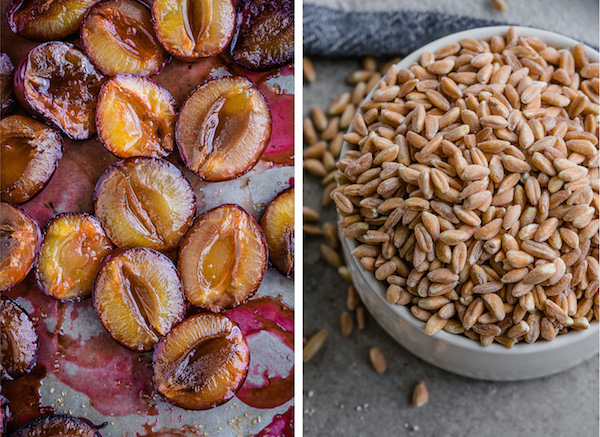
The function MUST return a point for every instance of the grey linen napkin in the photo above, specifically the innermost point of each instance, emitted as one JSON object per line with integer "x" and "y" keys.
{"x": 335, "y": 32}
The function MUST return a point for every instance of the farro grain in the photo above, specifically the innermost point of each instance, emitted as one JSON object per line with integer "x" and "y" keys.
{"x": 346, "y": 324}
{"x": 308, "y": 70}
{"x": 420, "y": 394}
{"x": 337, "y": 106}
{"x": 331, "y": 256}
{"x": 331, "y": 235}
{"x": 313, "y": 345}
{"x": 360, "y": 317}
{"x": 315, "y": 167}
{"x": 377, "y": 359}
{"x": 312, "y": 230}
{"x": 309, "y": 214}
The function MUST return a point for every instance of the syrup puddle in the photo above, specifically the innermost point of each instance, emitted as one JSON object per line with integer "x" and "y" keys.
{"x": 268, "y": 325}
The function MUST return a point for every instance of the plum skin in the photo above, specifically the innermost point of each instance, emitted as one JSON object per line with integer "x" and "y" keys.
{"x": 181, "y": 148}
{"x": 161, "y": 345}
{"x": 245, "y": 14}
{"x": 8, "y": 101}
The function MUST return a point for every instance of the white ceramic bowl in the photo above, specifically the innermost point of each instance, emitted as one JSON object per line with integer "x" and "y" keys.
{"x": 456, "y": 353}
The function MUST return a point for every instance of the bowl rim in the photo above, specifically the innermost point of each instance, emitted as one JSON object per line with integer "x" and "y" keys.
{"x": 457, "y": 340}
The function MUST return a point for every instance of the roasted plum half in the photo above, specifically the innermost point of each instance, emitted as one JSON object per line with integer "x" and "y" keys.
{"x": 44, "y": 20}
{"x": 223, "y": 128}
{"x": 19, "y": 241}
{"x": 73, "y": 248}
{"x": 57, "y": 426}
{"x": 18, "y": 340}
{"x": 144, "y": 202}
{"x": 202, "y": 362}
{"x": 192, "y": 29}
{"x": 29, "y": 154}
{"x": 136, "y": 117}
{"x": 278, "y": 226}
{"x": 57, "y": 81}
{"x": 264, "y": 34}
{"x": 139, "y": 297}
{"x": 7, "y": 96}
{"x": 118, "y": 37}
{"x": 222, "y": 258}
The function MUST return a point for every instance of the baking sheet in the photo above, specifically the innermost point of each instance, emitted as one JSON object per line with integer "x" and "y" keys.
{"x": 81, "y": 370}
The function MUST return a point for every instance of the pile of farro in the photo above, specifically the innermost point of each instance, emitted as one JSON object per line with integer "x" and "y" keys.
{"x": 472, "y": 186}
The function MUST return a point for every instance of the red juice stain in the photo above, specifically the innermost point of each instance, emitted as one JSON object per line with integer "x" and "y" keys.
{"x": 280, "y": 150}
{"x": 268, "y": 325}
{"x": 281, "y": 426}
{"x": 96, "y": 366}
{"x": 24, "y": 398}
{"x": 72, "y": 185}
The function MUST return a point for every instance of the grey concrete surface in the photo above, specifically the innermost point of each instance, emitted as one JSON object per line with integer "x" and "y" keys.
{"x": 343, "y": 396}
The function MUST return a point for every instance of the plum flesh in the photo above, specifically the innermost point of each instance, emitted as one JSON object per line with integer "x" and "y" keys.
{"x": 222, "y": 258}
{"x": 71, "y": 253}
{"x": 136, "y": 117}
{"x": 18, "y": 340}
{"x": 57, "y": 82}
{"x": 118, "y": 37}
{"x": 278, "y": 225}
{"x": 139, "y": 297}
{"x": 264, "y": 34}
{"x": 44, "y": 20}
{"x": 19, "y": 241}
{"x": 192, "y": 29}
{"x": 145, "y": 202}
{"x": 30, "y": 153}
{"x": 223, "y": 128}
{"x": 202, "y": 362}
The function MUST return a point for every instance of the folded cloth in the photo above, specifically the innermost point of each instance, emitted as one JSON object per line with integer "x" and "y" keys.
{"x": 334, "y": 32}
